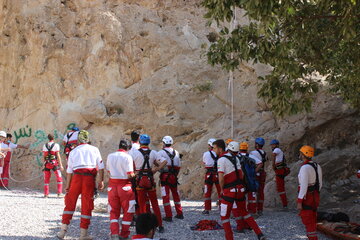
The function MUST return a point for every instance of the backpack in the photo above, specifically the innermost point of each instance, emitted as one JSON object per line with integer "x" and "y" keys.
{"x": 145, "y": 177}
{"x": 249, "y": 168}
{"x": 171, "y": 179}
{"x": 50, "y": 157}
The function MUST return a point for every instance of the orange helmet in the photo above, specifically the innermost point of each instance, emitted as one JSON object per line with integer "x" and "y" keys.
{"x": 229, "y": 140}
{"x": 244, "y": 146}
{"x": 307, "y": 151}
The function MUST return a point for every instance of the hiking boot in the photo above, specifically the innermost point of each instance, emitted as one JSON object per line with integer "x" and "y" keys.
{"x": 161, "y": 229}
{"x": 206, "y": 212}
{"x": 84, "y": 235}
{"x": 62, "y": 232}
{"x": 114, "y": 237}
{"x": 179, "y": 216}
{"x": 261, "y": 237}
{"x": 167, "y": 219}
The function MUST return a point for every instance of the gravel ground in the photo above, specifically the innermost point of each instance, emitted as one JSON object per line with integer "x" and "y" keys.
{"x": 27, "y": 215}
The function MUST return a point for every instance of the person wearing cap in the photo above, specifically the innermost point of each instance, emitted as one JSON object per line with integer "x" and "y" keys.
{"x": 84, "y": 164}
{"x": 278, "y": 164}
{"x": 70, "y": 141}
{"x": 310, "y": 183}
{"x": 232, "y": 184}
{"x": 147, "y": 163}
{"x": 52, "y": 162}
{"x": 169, "y": 179}
{"x": 120, "y": 194}
{"x": 251, "y": 196}
{"x": 260, "y": 173}
{"x": 8, "y": 144}
{"x": 3, "y": 151}
{"x": 211, "y": 176}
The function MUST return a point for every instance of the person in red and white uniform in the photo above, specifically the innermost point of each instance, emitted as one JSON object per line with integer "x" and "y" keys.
{"x": 358, "y": 173}
{"x": 70, "y": 141}
{"x": 3, "y": 150}
{"x": 135, "y": 145}
{"x": 231, "y": 179}
{"x": 120, "y": 194}
{"x": 146, "y": 225}
{"x": 147, "y": 163}
{"x": 83, "y": 165}
{"x": 52, "y": 161}
{"x": 8, "y": 144}
{"x": 279, "y": 168}
{"x": 169, "y": 179}
{"x": 251, "y": 196}
{"x": 310, "y": 183}
{"x": 211, "y": 176}
{"x": 260, "y": 173}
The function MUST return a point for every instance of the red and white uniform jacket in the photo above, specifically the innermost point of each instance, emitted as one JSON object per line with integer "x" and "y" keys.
{"x": 226, "y": 167}
{"x": 138, "y": 158}
{"x": 53, "y": 151}
{"x": 163, "y": 154}
{"x": 84, "y": 156}
{"x": 208, "y": 160}
{"x": 134, "y": 146}
{"x": 279, "y": 155}
{"x": 120, "y": 165}
{"x": 307, "y": 177}
{"x": 71, "y": 137}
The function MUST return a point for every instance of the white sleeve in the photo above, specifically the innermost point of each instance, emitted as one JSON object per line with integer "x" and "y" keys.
{"x": 44, "y": 148}
{"x": 257, "y": 160}
{"x": 276, "y": 151}
{"x": 99, "y": 161}
{"x": 56, "y": 148}
{"x": 65, "y": 138}
{"x": 303, "y": 182}
{"x": 130, "y": 165}
{"x": 108, "y": 163}
{"x": 13, "y": 145}
{"x": 70, "y": 164}
{"x": 320, "y": 176}
{"x": 221, "y": 165}
{"x": 204, "y": 157}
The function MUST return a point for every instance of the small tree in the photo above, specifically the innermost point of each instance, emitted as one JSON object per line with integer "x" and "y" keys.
{"x": 300, "y": 39}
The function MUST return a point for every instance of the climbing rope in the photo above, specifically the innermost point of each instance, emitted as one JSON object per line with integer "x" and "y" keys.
{"x": 21, "y": 181}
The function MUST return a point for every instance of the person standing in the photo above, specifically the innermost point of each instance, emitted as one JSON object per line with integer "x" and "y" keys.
{"x": 120, "y": 194}
{"x": 278, "y": 164}
{"x": 3, "y": 151}
{"x": 70, "y": 141}
{"x": 260, "y": 173}
{"x": 231, "y": 180}
{"x": 52, "y": 162}
{"x": 147, "y": 163}
{"x": 211, "y": 175}
{"x": 83, "y": 165}
{"x": 310, "y": 183}
{"x": 169, "y": 179}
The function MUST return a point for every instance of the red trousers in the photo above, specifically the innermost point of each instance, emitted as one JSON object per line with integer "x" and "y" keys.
{"x": 4, "y": 178}
{"x": 121, "y": 197}
{"x": 144, "y": 196}
{"x": 241, "y": 214}
{"x": 260, "y": 194}
{"x": 280, "y": 186}
{"x": 210, "y": 180}
{"x": 251, "y": 202}
{"x": 309, "y": 215}
{"x": 83, "y": 185}
{"x": 165, "y": 193}
{"x": 47, "y": 175}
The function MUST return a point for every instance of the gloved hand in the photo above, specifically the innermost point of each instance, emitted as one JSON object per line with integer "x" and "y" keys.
{"x": 1, "y": 170}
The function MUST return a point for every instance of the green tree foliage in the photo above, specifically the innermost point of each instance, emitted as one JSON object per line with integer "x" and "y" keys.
{"x": 300, "y": 39}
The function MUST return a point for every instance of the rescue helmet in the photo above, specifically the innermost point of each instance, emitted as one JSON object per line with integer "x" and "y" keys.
{"x": 211, "y": 141}
{"x": 274, "y": 141}
{"x": 2, "y": 134}
{"x": 75, "y": 129}
{"x": 233, "y": 146}
{"x": 144, "y": 139}
{"x": 307, "y": 151}
{"x": 260, "y": 141}
{"x": 229, "y": 140}
{"x": 83, "y": 136}
{"x": 168, "y": 140}
{"x": 244, "y": 146}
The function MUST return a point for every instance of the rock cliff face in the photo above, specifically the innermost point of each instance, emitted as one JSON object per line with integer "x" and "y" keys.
{"x": 127, "y": 65}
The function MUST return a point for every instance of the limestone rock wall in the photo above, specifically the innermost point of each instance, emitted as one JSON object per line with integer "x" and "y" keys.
{"x": 126, "y": 65}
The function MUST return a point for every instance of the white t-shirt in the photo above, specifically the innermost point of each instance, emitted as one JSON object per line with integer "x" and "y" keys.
{"x": 74, "y": 136}
{"x": 84, "y": 156}
{"x": 119, "y": 164}
{"x": 134, "y": 146}
{"x": 138, "y": 158}
{"x": 257, "y": 160}
{"x": 279, "y": 155}
{"x": 163, "y": 154}
{"x": 257, "y": 154}
{"x": 207, "y": 159}
{"x": 10, "y": 145}
{"x": 225, "y": 165}
{"x": 56, "y": 147}
{"x": 307, "y": 177}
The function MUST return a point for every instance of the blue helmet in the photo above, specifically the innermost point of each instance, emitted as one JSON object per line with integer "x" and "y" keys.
{"x": 144, "y": 139}
{"x": 75, "y": 129}
{"x": 260, "y": 141}
{"x": 274, "y": 141}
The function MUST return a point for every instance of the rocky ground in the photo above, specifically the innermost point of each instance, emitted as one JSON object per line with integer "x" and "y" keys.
{"x": 27, "y": 215}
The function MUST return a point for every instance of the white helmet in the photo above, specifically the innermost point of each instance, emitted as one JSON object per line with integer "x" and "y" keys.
{"x": 167, "y": 140}
{"x": 211, "y": 141}
{"x": 233, "y": 146}
{"x": 2, "y": 134}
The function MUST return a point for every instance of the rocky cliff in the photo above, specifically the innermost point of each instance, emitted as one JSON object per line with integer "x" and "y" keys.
{"x": 125, "y": 65}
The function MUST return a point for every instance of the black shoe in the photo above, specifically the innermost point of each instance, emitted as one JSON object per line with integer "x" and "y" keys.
{"x": 206, "y": 212}
{"x": 261, "y": 237}
{"x": 167, "y": 219}
{"x": 179, "y": 216}
{"x": 161, "y": 230}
